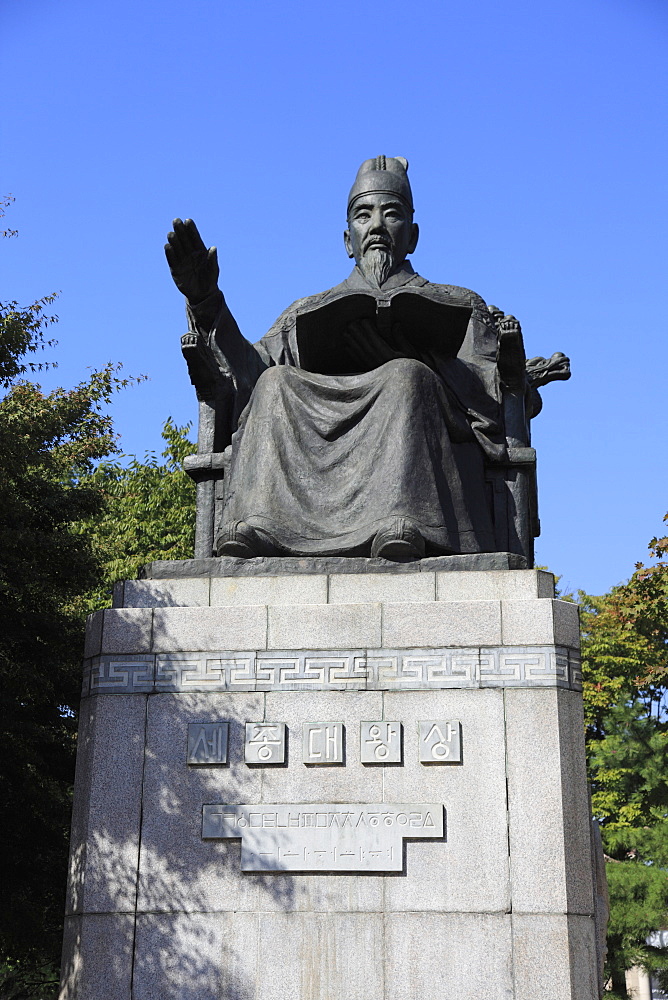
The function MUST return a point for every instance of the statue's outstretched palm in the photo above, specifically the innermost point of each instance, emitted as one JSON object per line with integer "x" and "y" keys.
{"x": 194, "y": 268}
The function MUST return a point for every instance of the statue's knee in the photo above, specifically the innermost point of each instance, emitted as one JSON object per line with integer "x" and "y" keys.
{"x": 273, "y": 379}
{"x": 410, "y": 375}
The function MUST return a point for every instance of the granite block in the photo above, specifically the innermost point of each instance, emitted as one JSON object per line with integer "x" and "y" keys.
{"x": 239, "y": 956}
{"x": 178, "y": 957}
{"x": 189, "y": 592}
{"x": 182, "y": 629}
{"x": 178, "y": 870}
{"x": 324, "y": 626}
{"x": 127, "y": 630}
{"x": 118, "y": 594}
{"x": 549, "y": 834}
{"x": 105, "y": 871}
{"x": 528, "y": 623}
{"x": 312, "y": 893}
{"x": 536, "y": 832}
{"x": 80, "y": 809}
{"x": 584, "y": 959}
{"x": 97, "y": 957}
{"x": 301, "y": 783}
{"x": 567, "y": 623}
{"x": 93, "y": 640}
{"x": 297, "y": 589}
{"x": 546, "y": 583}
{"x": 549, "y": 943}
{"x": 576, "y": 807}
{"x": 534, "y": 623}
{"x": 445, "y": 623}
{"x": 459, "y": 956}
{"x": 494, "y": 585}
{"x": 319, "y": 956}
{"x": 467, "y": 872}
{"x": 363, "y": 588}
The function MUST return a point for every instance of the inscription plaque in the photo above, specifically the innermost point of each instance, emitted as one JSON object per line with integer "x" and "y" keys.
{"x": 207, "y": 742}
{"x": 322, "y": 743}
{"x": 265, "y": 743}
{"x": 441, "y": 742}
{"x": 323, "y": 837}
{"x": 380, "y": 742}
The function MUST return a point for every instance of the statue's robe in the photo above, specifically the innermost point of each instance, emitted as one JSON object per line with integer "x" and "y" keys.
{"x": 320, "y": 462}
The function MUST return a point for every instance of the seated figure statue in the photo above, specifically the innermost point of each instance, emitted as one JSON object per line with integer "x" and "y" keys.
{"x": 364, "y": 420}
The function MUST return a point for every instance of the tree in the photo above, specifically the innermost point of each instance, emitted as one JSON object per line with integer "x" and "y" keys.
{"x": 148, "y": 513}
{"x": 625, "y": 647}
{"x": 49, "y": 443}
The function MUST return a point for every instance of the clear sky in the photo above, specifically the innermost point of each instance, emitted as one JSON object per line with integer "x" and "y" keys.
{"x": 537, "y": 141}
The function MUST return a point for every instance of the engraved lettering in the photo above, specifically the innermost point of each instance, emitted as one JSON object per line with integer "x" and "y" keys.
{"x": 265, "y": 743}
{"x": 207, "y": 743}
{"x": 322, "y": 837}
{"x": 380, "y": 742}
{"x": 323, "y": 743}
{"x": 440, "y": 742}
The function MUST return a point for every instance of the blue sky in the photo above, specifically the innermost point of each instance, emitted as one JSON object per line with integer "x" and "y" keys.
{"x": 536, "y": 136}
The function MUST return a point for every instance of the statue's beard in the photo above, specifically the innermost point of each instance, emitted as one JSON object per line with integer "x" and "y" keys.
{"x": 376, "y": 265}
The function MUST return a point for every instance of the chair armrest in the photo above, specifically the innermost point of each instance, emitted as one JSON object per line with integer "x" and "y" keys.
{"x": 205, "y": 465}
{"x": 521, "y": 456}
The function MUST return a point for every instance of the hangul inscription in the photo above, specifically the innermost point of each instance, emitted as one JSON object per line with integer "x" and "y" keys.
{"x": 265, "y": 743}
{"x": 441, "y": 742}
{"x": 207, "y": 742}
{"x": 322, "y": 743}
{"x": 380, "y": 742}
{"x": 321, "y": 836}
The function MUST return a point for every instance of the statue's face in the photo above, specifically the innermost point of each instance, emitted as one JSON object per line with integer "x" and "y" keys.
{"x": 380, "y": 221}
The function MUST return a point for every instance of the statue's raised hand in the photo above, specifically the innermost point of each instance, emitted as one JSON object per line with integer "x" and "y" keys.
{"x": 194, "y": 268}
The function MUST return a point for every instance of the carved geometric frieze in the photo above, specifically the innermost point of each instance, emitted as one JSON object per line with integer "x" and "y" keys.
{"x": 122, "y": 674}
{"x": 323, "y": 670}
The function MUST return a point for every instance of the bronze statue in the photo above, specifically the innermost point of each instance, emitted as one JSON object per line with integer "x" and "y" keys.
{"x": 388, "y": 416}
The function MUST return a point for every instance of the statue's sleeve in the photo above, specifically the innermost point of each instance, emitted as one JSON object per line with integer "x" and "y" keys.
{"x": 279, "y": 345}
{"x": 473, "y": 379}
{"x": 235, "y": 356}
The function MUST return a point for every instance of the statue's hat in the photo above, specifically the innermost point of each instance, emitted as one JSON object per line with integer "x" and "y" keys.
{"x": 383, "y": 174}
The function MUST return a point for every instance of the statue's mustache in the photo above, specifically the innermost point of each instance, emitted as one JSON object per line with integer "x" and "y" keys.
{"x": 372, "y": 243}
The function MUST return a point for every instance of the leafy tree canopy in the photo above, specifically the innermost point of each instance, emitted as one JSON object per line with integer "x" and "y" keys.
{"x": 49, "y": 445}
{"x": 625, "y": 667}
{"x": 148, "y": 513}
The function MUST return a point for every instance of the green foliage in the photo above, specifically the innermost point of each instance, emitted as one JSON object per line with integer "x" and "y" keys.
{"x": 638, "y": 905}
{"x": 49, "y": 443}
{"x": 22, "y": 326}
{"x": 625, "y": 668}
{"x": 29, "y": 981}
{"x": 148, "y": 513}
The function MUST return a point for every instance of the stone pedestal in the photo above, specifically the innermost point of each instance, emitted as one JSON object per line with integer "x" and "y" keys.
{"x": 446, "y": 854}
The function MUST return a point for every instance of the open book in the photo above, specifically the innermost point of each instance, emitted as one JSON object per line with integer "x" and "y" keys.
{"x": 428, "y": 323}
